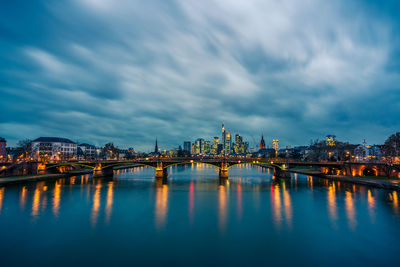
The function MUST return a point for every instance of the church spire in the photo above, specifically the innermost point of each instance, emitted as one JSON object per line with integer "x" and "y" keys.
{"x": 262, "y": 143}
{"x": 156, "y": 148}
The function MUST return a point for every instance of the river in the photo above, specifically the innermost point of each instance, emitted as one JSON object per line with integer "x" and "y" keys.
{"x": 194, "y": 218}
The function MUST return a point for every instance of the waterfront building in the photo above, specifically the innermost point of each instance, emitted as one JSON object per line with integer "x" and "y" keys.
{"x": 53, "y": 148}
{"x": 126, "y": 153}
{"x": 3, "y": 152}
{"x": 367, "y": 153}
{"x": 187, "y": 147}
{"x": 330, "y": 140}
{"x": 214, "y": 147}
{"x": 88, "y": 151}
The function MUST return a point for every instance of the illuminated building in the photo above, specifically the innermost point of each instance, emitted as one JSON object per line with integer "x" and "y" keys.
{"x": 3, "y": 154}
{"x": 223, "y": 139}
{"x": 239, "y": 145}
{"x": 330, "y": 140}
{"x": 214, "y": 147}
{"x": 207, "y": 147}
{"x": 88, "y": 151}
{"x": 228, "y": 143}
{"x": 367, "y": 153}
{"x": 187, "y": 147}
{"x": 275, "y": 145}
{"x": 220, "y": 148}
{"x": 53, "y": 148}
{"x": 199, "y": 146}
{"x": 193, "y": 148}
{"x": 262, "y": 143}
{"x": 246, "y": 147}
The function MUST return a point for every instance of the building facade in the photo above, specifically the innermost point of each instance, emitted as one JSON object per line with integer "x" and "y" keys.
{"x": 262, "y": 143}
{"x": 330, "y": 140}
{"x": 3, "y": 151}
{"x": 88, "y": 151}
{"x": 223, "y": 139}
{"x": 275, "y": 146}
{"x": 214, "y": 147}
{"x": 187, "y": 147}
{"x": 53, "y": 148}
{"x": 207, "y": 147}
{"x": 228, "y": 144}
{"x": 198, "y": 146}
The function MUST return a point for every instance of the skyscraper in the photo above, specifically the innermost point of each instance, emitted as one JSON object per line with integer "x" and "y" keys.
{"x": 199, "y": 146}
{"x": 207, "y": 147}
{"x": 187, "y": 146}
{"x": 214, "y": 147}
{"x": 275, "y": 145}
{"x": 239, "y": 145}
{"x": 228, "y": 145}
{"x": 223, "y": 139}
{"x": 246, "y": 147}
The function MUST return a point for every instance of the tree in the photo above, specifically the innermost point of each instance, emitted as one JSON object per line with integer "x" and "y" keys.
{"x": 24, "y": 148}
{"x": 109, "y": 151}
{"x": 391, "y": 148}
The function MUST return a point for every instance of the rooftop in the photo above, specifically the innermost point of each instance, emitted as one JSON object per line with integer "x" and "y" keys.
{"x": 53, "y": 140}
{"x": 87, "y": 145}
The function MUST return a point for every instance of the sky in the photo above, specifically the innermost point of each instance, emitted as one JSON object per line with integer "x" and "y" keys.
{"x": 127, "y": 71}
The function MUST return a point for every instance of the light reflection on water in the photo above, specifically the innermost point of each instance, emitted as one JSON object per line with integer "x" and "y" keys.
{"x": 96, "y": 203}
{"x": 1, "y": 198}
{"x": 134, "y": 210}
{"x": 161, "y": 205}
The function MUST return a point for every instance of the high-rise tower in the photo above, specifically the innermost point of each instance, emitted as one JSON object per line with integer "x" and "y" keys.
{"x": 223, "y": 139}
{"x": 275, "y": 145}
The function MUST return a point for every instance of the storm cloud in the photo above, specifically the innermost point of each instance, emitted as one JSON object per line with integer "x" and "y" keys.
{"x": 130, "y": 71}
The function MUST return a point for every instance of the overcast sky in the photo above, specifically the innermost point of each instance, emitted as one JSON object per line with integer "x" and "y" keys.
{"x": 129, "y": 71}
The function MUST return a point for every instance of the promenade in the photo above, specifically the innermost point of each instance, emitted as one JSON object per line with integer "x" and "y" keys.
{"x": 30, "y": 178}
{"x": 375, "y": 182}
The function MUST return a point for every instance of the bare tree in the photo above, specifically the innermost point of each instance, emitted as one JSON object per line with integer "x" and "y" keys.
{"x": 391, "y": 148}
{"x": 24, "y": 148}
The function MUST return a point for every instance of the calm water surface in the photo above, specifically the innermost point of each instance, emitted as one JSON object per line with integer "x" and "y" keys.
{"x": 193, "y": 218}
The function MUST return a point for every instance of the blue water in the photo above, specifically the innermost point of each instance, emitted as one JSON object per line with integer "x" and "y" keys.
{"x": 193, "y": 218}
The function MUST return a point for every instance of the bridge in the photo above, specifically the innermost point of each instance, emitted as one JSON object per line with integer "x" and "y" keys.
{"x": 281, "y": 168}
{"x": 105, "y": 168}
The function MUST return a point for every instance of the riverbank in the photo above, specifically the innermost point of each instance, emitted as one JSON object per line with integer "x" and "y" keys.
{"x": 31, "y": 178}
{"x": 41, "y": 177}
{"x": 381, "y": 182}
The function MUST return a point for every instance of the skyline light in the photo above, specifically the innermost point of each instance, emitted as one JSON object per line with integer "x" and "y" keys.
{"x": 127, "y": 71}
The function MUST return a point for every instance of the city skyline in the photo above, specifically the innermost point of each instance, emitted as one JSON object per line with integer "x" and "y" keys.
{"x": 252, "y": 143}
{"x": 199, "y": 133}
{"x": 129, "y": 74}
